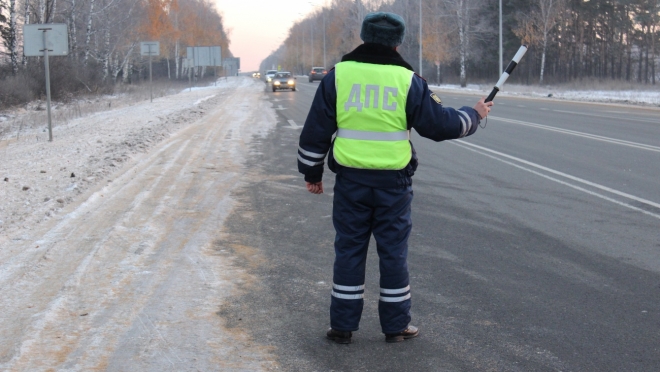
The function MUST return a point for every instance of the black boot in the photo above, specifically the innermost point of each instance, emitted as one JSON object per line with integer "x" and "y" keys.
{"x": 339, "y": 336}
{"x": 409, "y": 332}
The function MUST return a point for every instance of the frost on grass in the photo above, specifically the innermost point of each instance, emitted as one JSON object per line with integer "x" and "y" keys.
{"x": 92, "y": 140}
{"x": 600, "y": 93}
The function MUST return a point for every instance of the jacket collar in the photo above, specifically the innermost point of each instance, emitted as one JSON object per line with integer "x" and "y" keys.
{"x": 376, "y": 54}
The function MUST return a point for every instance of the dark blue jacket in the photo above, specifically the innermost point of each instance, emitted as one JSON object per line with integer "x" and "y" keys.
{"x": 424, "y": 113}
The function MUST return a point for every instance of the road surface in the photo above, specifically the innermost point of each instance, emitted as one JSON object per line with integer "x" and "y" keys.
{"x": 535, "y": 245}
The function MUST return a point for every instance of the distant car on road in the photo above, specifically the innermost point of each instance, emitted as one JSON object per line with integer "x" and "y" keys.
{"x": 284, "y": 80}
{"x": 269, "y": 75}
{"x": 256, "y": 75}
{"x": 317, "y": 73}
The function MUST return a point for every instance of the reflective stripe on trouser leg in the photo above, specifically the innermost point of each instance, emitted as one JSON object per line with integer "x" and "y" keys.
{"x": 351, "y": 216}
{"x": 391, "y": 228}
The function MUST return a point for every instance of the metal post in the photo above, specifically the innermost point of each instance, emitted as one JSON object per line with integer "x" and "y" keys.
{"x": 151, "y": 84}
{"x": 196, "y": 70}
{"x": 50, "y": 125}
{"x": 501, "y": 36}
{"x": 303, "y": 48}
{"x": 311, "y": 44}
{"x": 420, "y": 37}
{"x": 325, "y": 65}
{"x": 189, "y": 73}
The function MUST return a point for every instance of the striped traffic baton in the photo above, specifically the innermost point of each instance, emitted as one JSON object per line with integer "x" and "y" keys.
{"x": 509, "y": 69}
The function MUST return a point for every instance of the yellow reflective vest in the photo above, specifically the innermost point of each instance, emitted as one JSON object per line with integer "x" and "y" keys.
{"x": 372, "y": 131}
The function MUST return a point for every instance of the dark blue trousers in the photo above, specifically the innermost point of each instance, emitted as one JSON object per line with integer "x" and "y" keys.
{"x": 358, "y": 212}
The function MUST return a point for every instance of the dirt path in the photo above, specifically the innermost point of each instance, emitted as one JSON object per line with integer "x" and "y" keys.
{"x": 132, "y": 277}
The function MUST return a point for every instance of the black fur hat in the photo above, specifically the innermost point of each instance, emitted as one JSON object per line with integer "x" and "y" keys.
{"x": 383, "y": 28}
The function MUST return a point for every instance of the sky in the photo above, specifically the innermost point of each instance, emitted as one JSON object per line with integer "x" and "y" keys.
{"x": 259, "y": 27}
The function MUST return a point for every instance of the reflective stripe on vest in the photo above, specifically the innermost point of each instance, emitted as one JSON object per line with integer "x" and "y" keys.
{"x": 373, "y": 136}
{"x": 371, "y": 116}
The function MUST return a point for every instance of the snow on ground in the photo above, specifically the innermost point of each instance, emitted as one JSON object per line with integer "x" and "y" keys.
{"x": 38, "y": 178}
{"x": 110, "y": 255}
{"x": 636, "y": 97}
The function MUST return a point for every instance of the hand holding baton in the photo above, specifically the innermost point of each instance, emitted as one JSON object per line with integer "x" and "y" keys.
{"x": 505, "y": 75}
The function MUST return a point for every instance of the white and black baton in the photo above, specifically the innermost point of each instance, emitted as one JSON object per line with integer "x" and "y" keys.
{"x": 505, "y": 75}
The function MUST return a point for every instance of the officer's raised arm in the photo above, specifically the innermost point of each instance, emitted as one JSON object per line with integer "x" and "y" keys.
{"x": 431, "y": 119}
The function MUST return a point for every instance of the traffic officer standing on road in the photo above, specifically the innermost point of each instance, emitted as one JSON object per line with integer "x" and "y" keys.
{"x": 371, "y": 100}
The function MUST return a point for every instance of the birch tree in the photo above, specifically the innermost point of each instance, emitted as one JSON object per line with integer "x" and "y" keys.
{"x": 89, "y": 31}
{"x": 536, "y": 25}
{"x": 548, "y": 12}
{"x": 462, "y": 9}
{"x": 71, "y": 21}
{"x": 436, "y": 39}
{"x": 9, "y": 34}
{"x": 173, "y": 13}
{"x": 3, "y": 21}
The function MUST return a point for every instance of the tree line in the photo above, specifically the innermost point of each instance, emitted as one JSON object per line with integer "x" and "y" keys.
{"x": 568, "y": 39}
{"x": 104, "y": 42}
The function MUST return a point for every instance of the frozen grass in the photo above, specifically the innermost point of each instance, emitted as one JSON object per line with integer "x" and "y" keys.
{"x": 590, "y": 90}
{"x": 35, "y": 115}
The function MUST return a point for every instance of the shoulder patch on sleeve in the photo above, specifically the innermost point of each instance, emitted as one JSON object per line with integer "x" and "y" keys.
{"x": 436, "y": 98}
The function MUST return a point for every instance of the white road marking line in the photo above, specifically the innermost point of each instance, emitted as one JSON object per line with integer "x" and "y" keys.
{"x": 280, "y": 108}
{"x": 581, "y": 134}
{"x": 293, "y": 125}
{"x": 605, "y": 116}
{"x": 467, "y": 146}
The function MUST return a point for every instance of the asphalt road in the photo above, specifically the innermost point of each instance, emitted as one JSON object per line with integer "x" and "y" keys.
{"x": 535, "y": 246}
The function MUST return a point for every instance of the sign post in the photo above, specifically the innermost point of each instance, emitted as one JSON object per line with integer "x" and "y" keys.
{"x": 37, "y": 42}
{"x": 188, "y": 64}
{"x": 189, "y": 61}
{"x": 47, "y": 69}
{"x": 150, "y": 48}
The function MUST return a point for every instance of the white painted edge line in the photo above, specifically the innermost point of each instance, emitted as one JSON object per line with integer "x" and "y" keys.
{"x": 473, "y": 147}
{"x": 605, "y": 116}
{"x": 581, "y": 134}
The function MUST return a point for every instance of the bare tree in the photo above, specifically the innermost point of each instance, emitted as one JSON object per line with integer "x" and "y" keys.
{"x": 9, "y": 33}
{"x": 535, "y": 26}
{"x": 464, "y": 11}
{"x": 436, "y": 39}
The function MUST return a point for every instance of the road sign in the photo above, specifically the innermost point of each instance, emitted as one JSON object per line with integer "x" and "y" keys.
{"x": 187, "y": 63}
{"x": 205, "y": 55}
{"x": 231, "y": 66}
{"x": 47, "y": 39}
{"x": 57, "y": 39}
{"x": 150, "y": 48}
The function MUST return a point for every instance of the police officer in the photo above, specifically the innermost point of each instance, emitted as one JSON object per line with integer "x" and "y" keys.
{"x": 371, "y": 100}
